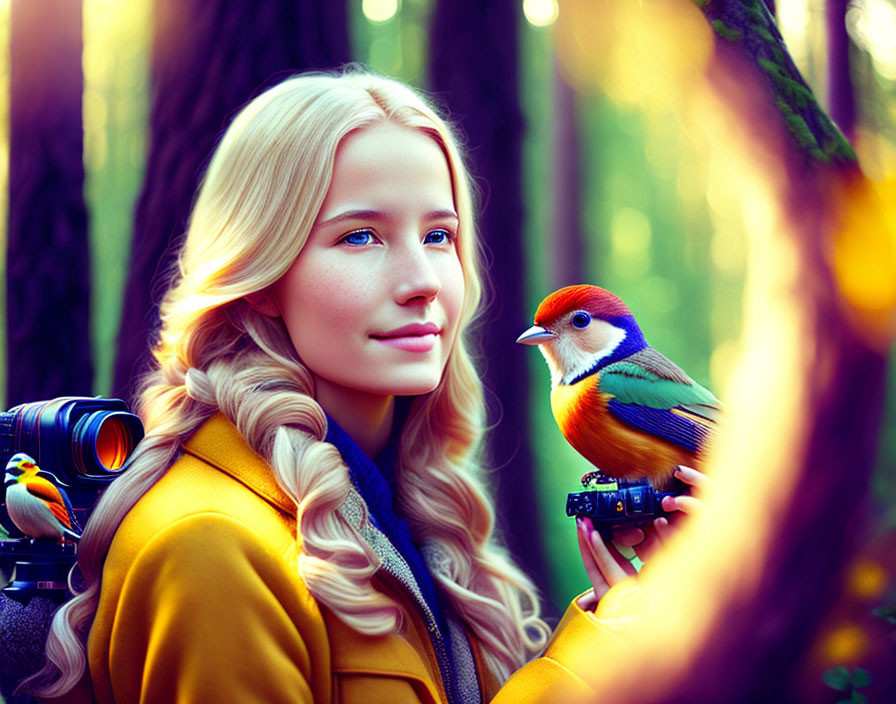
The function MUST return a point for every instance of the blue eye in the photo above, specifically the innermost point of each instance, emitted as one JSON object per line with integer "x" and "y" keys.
{"x": 360, "y": 237}
{"x": 581, "y": 320}
{"x": 438, "y": 237}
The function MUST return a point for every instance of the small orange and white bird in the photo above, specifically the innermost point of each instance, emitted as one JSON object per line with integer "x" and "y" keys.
{"x": 35, "y": 504}
{"x": 624, "y": 406}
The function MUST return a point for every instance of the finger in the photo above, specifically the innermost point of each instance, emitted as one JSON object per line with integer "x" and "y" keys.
{"x": 591, "y": 569}
{"x": 610, "y": 565}
{"x": 652, "y": 542}
{"x": 628, "y": 537}
{"x": 683, "y": 503}
{"x": 623, "y": 559}
{"x": 664, "y": 529}
{"x": 691, "y": 476}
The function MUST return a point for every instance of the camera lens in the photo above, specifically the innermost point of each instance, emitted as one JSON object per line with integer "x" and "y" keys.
{"x": 113, "y": 444}
{"x": 102, "y": 440}
{"x": 78, "y": 439}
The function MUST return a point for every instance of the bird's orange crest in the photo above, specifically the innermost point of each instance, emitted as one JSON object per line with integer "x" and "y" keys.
{"x": 595, "y": 300}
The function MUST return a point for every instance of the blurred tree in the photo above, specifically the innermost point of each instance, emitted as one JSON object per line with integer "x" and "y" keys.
{"x": 48, "y": 275}
{"x": 567, "y": 250}
{"x": 841, "y": 96}
{"x": 208, "y": 59}
{"x": 748, "y": 26}
{"x": 473, "y": 71}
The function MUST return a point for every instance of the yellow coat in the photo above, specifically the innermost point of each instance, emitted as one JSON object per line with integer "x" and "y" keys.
{"x": 201, "y": 602}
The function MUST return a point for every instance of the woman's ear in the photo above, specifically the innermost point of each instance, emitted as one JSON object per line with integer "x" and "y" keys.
{"x": 264, "y": 302}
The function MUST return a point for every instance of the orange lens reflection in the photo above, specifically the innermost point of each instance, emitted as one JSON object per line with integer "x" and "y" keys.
{"x": 113, "y": 444}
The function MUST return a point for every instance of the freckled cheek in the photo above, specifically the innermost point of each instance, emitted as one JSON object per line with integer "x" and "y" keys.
{"x": 331, "y": 294}
{"x": 453, "y": 292}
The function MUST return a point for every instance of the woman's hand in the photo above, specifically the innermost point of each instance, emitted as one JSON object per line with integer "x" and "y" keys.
{"x": 606, "y": 566}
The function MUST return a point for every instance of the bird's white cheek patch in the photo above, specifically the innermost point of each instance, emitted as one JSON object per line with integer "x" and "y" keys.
{"x": 600, "y": 338}
{"x": 595, "y": 343}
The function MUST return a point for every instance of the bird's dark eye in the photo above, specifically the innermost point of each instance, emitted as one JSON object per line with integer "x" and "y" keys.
{"x": 581, "y": 320}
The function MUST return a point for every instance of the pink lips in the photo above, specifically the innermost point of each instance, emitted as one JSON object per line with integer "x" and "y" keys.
{"x": 417, "y": 337}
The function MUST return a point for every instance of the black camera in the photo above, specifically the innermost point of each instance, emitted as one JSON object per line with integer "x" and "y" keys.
{"x": 611, "y": 503}
{"x": 81, "y": 444}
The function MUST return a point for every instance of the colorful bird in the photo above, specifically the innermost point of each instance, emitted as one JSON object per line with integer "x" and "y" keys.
{"x": 34, "y": 502}
{"x": 625, "y": 407}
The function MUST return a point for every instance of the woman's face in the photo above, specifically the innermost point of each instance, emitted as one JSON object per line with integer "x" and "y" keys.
{"x": 372, "y": 301}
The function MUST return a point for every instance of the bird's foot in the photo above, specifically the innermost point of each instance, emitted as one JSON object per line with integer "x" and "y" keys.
{"x": 597, "y": 479}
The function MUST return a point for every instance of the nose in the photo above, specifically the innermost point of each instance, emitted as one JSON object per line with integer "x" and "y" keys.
{"x": 417, "y": 280}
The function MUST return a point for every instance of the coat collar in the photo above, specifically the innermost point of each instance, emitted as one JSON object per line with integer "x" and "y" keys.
{"x": 218, "y": 442}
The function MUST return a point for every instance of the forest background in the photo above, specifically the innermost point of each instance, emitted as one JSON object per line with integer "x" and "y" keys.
{"x": 605, "y": 192}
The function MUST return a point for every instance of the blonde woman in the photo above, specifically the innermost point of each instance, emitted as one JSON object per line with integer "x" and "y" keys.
{"x": 305, "y": 520}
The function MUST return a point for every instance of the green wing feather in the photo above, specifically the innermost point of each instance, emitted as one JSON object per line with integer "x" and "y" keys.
{"x": 632, "y": 383}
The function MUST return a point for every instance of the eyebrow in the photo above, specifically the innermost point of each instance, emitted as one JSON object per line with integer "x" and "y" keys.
{"x": 381, "y": 215}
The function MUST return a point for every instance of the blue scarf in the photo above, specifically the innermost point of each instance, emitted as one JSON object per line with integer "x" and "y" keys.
{"x": 375, "y": 481}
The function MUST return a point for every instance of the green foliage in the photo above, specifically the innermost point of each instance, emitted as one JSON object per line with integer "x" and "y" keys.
{"x": 800, "y": 131}
{"x": 860, "y": 677}
{"x": 756, "y": 11}
{"x": 884, "y": 480}
{"x": 726, "y": 32}
{"x": 792, "y": 94}
{"x": 792, "y": 91}
{"x": 810, "y": 127}
{"x": 837, "y": 678}
{"x": 838, "y": 149}
{"x": 848, "y": 681}
{"x": 856, "y": 698}
{"x": 887, "y": 613}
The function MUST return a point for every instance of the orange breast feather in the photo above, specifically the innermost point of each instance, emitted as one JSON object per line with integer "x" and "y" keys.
{"x": 44, "y": 490}
{"x": 616, "y": 448}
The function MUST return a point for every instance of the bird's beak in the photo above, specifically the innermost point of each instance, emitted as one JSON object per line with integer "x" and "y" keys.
{"x": 535, "y": 336}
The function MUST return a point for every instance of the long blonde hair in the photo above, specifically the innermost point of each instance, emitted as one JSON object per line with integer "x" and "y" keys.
{"x": 258, "y": 201}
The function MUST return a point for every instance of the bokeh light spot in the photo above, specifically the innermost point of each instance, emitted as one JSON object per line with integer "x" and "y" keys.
{"x": 541, "y": 13}
{"x": 864, "y": 254}
{"x": 637, "y": 53}
{"x": 630, "y": 231}
{"x": 867, "y": 579}
{"x": 379, "y": 10}
{"x": 872, "y": 26}
{"x": 844, "y": 645}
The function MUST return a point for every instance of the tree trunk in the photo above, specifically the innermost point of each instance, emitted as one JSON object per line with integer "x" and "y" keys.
{"x": 473, "y": 71}
{"x": 749, "y": 28}
{"x": 208, "y": 59}
{"x": 48, "y": 265}
{"x": 841, "y": 97}
{"x": 565, "y": 229}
